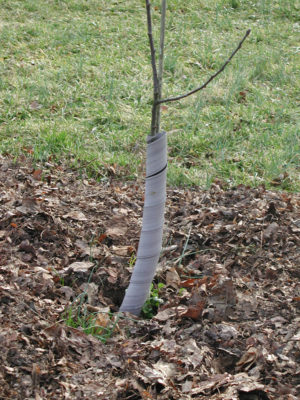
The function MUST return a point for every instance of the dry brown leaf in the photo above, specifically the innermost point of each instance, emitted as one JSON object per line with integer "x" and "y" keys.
{"x": 116, "y": 231}
{"x": 76, "y": 215}
{"x": 247, "y": 359}
{"x": 29, "y": 206}
{"x": 172, "y": 278}
{"x": 102, "y": 321}
{"x": 164, "y": 315}
{"x": 37, "y": 174}
{"x": 195, "y": 311}
{"x": 122, "y": 250}
{"x": 80, "y": 266}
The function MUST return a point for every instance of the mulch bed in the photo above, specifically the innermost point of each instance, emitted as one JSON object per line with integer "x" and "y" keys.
{"x": 228, "y": 326}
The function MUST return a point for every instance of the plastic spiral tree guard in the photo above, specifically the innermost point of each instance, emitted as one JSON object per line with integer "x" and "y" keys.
{"x": 152, "y": 226}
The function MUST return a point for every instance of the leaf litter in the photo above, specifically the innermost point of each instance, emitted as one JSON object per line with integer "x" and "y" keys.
{"x": 229, "y": 323}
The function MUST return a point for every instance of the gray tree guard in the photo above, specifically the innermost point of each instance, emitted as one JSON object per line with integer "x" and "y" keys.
{"x": 152, "y": 225}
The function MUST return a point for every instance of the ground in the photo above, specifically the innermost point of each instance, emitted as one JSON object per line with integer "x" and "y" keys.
{"x": 228, "y": 323}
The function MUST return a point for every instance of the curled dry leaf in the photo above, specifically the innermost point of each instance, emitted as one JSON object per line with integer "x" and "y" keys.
{"x": 172, "y": 278}
{"x": 79, "y": 266}
{"x": 122, "y": 250}
{"x": 102, "y": 321}
{"x": 247, "y": 359}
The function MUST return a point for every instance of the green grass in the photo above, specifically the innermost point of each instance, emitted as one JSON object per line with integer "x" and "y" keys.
{"x": 76, "y": 84}
{"x": 77, "y": 316}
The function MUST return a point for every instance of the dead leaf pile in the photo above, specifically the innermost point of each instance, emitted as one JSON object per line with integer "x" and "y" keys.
{"x": 229, "y": 324}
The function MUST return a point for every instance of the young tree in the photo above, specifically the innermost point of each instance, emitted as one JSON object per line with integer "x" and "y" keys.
{"x": 156, "y": 173}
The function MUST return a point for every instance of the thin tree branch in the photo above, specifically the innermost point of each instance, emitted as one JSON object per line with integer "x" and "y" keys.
{"x": 156, "y": 97}
{"x": 152, "y": 48}
{"x": 162, "y": 41}
{"x": 161, "y": 58}
{"x": 211, "y": 78}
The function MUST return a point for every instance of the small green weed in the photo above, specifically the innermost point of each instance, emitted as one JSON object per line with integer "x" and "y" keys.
{"x": 132, "y": 260}
{"x": 99, "y": 325}
{"x": 77, "y": 315}
{"x": 181, "y": 291}
{"x": 151, "y": 305}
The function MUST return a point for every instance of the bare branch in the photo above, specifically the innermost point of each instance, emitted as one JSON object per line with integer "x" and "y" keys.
{"x": 152, "y": 48}
{"x": 156, "y": 97}
{"x": 211, "y": 78}
{"x": 162, "y": 41}
{"x": 161, "y": 58}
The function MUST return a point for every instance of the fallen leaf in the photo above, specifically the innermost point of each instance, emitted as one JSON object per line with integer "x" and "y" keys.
{"x": 78, "y": 266}
{"x": 172, "y": 278}
{"x": 91, "y": 290}
{"x": 102, "y": 237}
{"x": 164, "y": 315}
{"x": 248, "y": 359}
{"x": 194, "y": 311}
{"x": 29, "y": 206}
{"x": 76, "y": 215}
{"x": 37, "y": 174}
{"x": 113, "y": 275}
{"x": 102, "y": 321}
{"x": 116, "y": 231}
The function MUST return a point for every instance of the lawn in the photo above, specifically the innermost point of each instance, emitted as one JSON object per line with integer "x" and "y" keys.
{"x": 76, "y": 86}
